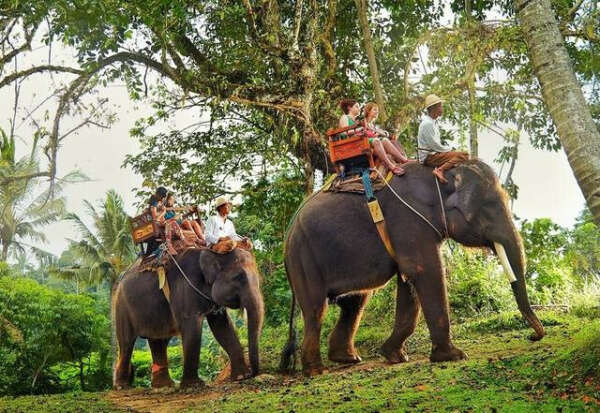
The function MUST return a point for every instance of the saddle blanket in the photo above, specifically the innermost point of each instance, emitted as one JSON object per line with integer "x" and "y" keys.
{"x": 353, "y": 183}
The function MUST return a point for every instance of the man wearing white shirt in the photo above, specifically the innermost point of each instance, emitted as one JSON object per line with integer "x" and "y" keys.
{"x": 430, "y": 151}
{"x": 219, "y": 226}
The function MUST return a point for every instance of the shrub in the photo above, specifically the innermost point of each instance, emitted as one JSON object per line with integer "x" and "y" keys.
{"x": 43, "y": 329}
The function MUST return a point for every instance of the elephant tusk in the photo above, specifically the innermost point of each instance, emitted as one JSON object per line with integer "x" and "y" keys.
{"x": 501, "y": 252}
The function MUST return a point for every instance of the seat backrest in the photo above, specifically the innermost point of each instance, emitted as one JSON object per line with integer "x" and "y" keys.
{"x": 144, "y": 228}
{"x": 350, "y": 145}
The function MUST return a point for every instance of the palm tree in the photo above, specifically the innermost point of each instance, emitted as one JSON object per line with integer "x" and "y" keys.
{"x": 22, "y": 213}
{"x": 104, "y": 252}
{"x": 563, "y": 96}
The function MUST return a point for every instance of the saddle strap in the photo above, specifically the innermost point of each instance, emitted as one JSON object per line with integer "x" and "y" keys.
{"x": 379, "y": 221}
{"x": 163, "y": 283}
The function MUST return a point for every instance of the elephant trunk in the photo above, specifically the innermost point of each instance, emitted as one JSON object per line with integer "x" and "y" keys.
{"x": 511, "y": 256}
{"x": 255, "y": 310}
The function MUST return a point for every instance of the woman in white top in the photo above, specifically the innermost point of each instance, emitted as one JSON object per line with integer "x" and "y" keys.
{"x": 219, "y": 227}
{"x": 393, "y": 149}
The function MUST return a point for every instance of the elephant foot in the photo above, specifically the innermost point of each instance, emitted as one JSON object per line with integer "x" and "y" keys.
{"x": 161, "y": 378}
{"x": 312, "y": 371}
{"x": 240, "y": 374}
{"x": 449, "y": 353}
{"x": 193, "y": 383}
{"x": 394, "y": 355}
{"x": 344, "y": 357}
{"x": 122, "y": 386}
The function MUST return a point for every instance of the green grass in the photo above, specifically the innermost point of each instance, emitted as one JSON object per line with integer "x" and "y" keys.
{"x": 59, "y": 403}
{"x": 505, "y": 373}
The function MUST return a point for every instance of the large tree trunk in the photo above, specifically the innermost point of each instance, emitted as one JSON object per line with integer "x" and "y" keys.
{"x": 362, "y": 7}
{"x": 563, "y": 96}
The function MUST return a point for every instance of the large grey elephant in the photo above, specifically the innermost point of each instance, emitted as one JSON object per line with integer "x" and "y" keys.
{"x": 334, "y": 251}
{"x": 141, "y": 310}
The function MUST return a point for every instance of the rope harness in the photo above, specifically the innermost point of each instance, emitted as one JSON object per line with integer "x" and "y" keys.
{"x": 385, "y": 237}
{"x": 215, "y": 308}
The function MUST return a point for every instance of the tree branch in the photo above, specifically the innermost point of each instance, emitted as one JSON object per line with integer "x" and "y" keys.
{"x": 38, "y": 69}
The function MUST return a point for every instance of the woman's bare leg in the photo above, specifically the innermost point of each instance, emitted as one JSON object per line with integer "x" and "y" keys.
{"x": 381, "y": 154}
{"x": 393, "y": 150}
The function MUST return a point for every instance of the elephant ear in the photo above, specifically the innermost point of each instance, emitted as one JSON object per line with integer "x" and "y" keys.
{"x": 467, "y": 193}
{"x": 210, "y": 265}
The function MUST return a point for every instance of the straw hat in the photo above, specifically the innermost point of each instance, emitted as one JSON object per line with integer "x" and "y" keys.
{"x": 432, "y": 99}
{"x": 222, "y": 200}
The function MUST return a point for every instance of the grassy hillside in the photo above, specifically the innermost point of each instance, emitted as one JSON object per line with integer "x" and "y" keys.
{"x": 505, "y": 372}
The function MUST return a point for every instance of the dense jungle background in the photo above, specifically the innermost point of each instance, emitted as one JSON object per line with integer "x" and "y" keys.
{"x": 241, "y": 93}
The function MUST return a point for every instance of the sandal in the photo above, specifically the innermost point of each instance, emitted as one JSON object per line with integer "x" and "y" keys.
{"x": 440, "y": 175}
{"x": 398, "y": 170}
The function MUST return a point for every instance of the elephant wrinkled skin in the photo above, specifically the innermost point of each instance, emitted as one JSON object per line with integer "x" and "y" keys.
{"x": 333, "y": 251}
{"x": 141, "y": 310}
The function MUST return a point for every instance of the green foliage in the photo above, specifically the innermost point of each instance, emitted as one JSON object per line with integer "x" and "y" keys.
{"x": 507, "y": 321}
{"x": 211, "y": 363}
{"x": 266, "y": 210}
{"x": 103, "y": 252}
{"x": 476, "y": 282}
{"x": 45, "y": 328}
{"x": 548, "y": 275}
{"x": 583, "y": 252}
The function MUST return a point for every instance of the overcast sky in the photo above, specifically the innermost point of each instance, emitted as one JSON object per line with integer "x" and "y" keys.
{"x": 546, "y": 182}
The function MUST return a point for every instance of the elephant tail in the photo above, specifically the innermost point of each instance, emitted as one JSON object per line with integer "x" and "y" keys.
{"x": 288, "y": 354}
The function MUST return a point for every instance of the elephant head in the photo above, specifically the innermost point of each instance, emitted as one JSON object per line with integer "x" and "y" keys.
{"x": 478, "y": 215}
{"x": 236, "y": 284}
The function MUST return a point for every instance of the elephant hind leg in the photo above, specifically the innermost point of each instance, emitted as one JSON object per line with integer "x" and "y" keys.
{"x": 407, "y": 317}
{"x": 160, "y": 363}
{"x": 123, "y": 375}
{"x": 312, "y": 363}
{"x": 341, "y": 340}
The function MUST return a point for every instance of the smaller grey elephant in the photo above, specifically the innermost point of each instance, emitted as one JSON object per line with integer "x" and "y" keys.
{"x": 141, "y": 310}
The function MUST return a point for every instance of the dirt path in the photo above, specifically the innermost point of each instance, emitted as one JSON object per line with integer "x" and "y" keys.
{"x": 172, "y": 400}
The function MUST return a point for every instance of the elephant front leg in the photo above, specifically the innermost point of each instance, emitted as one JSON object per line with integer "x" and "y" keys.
{"x": 407, "y": 316}
{"x": 160, "y": 363}
{"x": 222, "y": 328}
{"x": 191, "y": 337}
{"x": 341, "y": 340}
{"x": 430, "y": 284}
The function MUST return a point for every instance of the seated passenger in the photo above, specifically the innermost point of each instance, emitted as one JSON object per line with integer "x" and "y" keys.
{"x": 219, "y": 227}
{"x": 430, "y": 151}
{"x": 380, "y": 138}
{"x": 351, "y": 110}
{"x": 187, "y": 224}
{"x": 158, "y": 212}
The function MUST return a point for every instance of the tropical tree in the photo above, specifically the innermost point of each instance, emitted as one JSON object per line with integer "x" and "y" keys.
{"x": 24, "y": 210}
{"x": 104, "y": 251}
{"x": 563, "y": 95}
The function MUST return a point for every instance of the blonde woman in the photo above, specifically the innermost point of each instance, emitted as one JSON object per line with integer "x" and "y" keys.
{"x": 379, "y": 139}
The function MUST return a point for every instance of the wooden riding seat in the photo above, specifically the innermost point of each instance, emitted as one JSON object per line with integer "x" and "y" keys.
{"x": 349, "y": 148}
{"x": 146, "y": 230}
